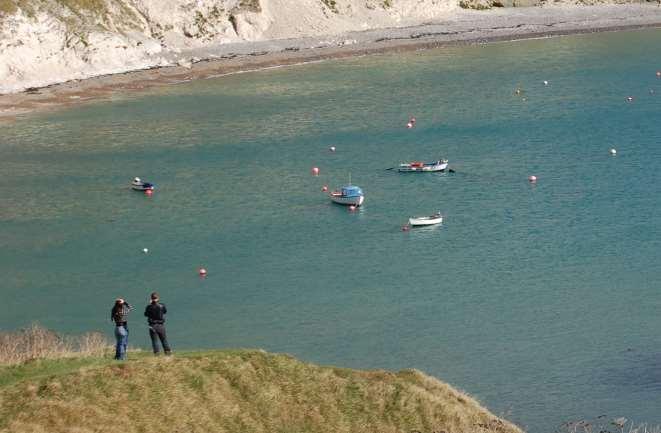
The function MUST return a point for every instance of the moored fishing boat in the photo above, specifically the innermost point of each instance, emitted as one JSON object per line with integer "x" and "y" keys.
{"x": 421, "y": 167}
{"x": 426, "y": 221}
{"x": 349, "y": 195}
{"x": 139, "y": 185}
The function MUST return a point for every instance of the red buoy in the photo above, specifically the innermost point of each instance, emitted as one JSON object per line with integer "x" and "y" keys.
{"x": 149, "y": 192}
{"x": 202, "y": 272}
{"x": 324, "y": 188}
{"x": 315, "y": 171}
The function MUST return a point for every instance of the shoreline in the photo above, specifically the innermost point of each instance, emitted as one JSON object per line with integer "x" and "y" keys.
{"x": 463, "y": 28}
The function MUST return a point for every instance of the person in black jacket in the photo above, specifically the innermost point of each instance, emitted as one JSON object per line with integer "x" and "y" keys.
{"x": 155, "y": 313}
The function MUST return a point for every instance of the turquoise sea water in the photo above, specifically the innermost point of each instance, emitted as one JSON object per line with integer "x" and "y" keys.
{"x": 543, "y": 301}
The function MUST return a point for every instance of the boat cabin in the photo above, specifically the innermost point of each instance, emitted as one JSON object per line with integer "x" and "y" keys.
{"x": 351, "y": 191}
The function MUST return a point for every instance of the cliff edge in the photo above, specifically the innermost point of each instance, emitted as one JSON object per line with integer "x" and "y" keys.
{"x": 230, "y": 391}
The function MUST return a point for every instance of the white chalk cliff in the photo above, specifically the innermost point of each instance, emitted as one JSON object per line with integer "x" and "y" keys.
{"x": 43, "y": 42}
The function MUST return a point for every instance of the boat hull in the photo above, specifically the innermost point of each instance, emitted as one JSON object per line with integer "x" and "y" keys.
{"x": 406, "y": 168}
{"x": 425, "y": 221}
{"x": 347, "y": 201}
{"x": 142, "y": 187}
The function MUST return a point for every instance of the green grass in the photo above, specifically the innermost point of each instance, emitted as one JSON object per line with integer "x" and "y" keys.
{"x": 331, "y": 4}
{"x": 475, "y": 4}
{"x": 95, "y": 6}
{"x": 43, "y": 368}
{"x": 79, "y": 15}
{"x": 229, "y": 391}
{"x": 8, "y": 7}
{"x": 250, "y": 5}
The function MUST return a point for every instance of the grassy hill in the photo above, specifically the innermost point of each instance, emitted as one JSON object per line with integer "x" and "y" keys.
{"x": 229, "y": 391}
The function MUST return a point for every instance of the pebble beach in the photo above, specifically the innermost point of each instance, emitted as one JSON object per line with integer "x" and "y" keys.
{"x": 460, "y": 27}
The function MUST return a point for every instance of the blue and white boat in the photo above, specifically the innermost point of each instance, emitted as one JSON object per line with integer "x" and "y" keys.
{"x": 349, "y": 195}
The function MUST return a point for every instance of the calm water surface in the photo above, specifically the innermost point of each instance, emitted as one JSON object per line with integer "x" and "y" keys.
{"x": 543, "y": 301}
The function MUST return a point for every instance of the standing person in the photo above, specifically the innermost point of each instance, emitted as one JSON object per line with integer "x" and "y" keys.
{"x": 155, "y": 313}
{"x": 119, "y": 315}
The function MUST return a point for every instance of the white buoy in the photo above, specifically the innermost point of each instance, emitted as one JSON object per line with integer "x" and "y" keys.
{"x": 613, "y": 152}
{"x": 546, "y": 83}
{"x": 532, "y": 179}
{"x": 332, "y": 148}
{"x": 145, "y": 250}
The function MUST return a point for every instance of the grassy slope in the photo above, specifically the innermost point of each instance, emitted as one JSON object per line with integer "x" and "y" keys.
{"x": 229, "y": 391}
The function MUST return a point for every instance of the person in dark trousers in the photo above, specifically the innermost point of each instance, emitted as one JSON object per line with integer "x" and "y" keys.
{"x": 155, "y": 313}
{"x": 119, "y": 315}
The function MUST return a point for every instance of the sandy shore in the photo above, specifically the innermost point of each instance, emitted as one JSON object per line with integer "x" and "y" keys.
{"x": 463, "y": 27}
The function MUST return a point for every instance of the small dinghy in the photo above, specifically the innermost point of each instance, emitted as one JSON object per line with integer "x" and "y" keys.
{"x": 139, "y": 185}
{"x": 349, "y": 195}
{"x": 423, "y": 167}
{"x": 426, "y": 221}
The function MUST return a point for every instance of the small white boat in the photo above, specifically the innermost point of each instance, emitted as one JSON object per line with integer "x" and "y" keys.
{"x": 139, "y": 185}
{"x": 426, "y": 221}
{"x": 422, "y": 167}
{"x": 349, "y": 195}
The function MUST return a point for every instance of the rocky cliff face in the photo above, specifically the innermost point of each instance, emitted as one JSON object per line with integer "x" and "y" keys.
{"x": 48, "y": 41}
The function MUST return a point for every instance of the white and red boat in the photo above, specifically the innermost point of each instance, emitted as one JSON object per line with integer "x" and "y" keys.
{"x": 423, "y": 167}
{"x": 139, "y": 185}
